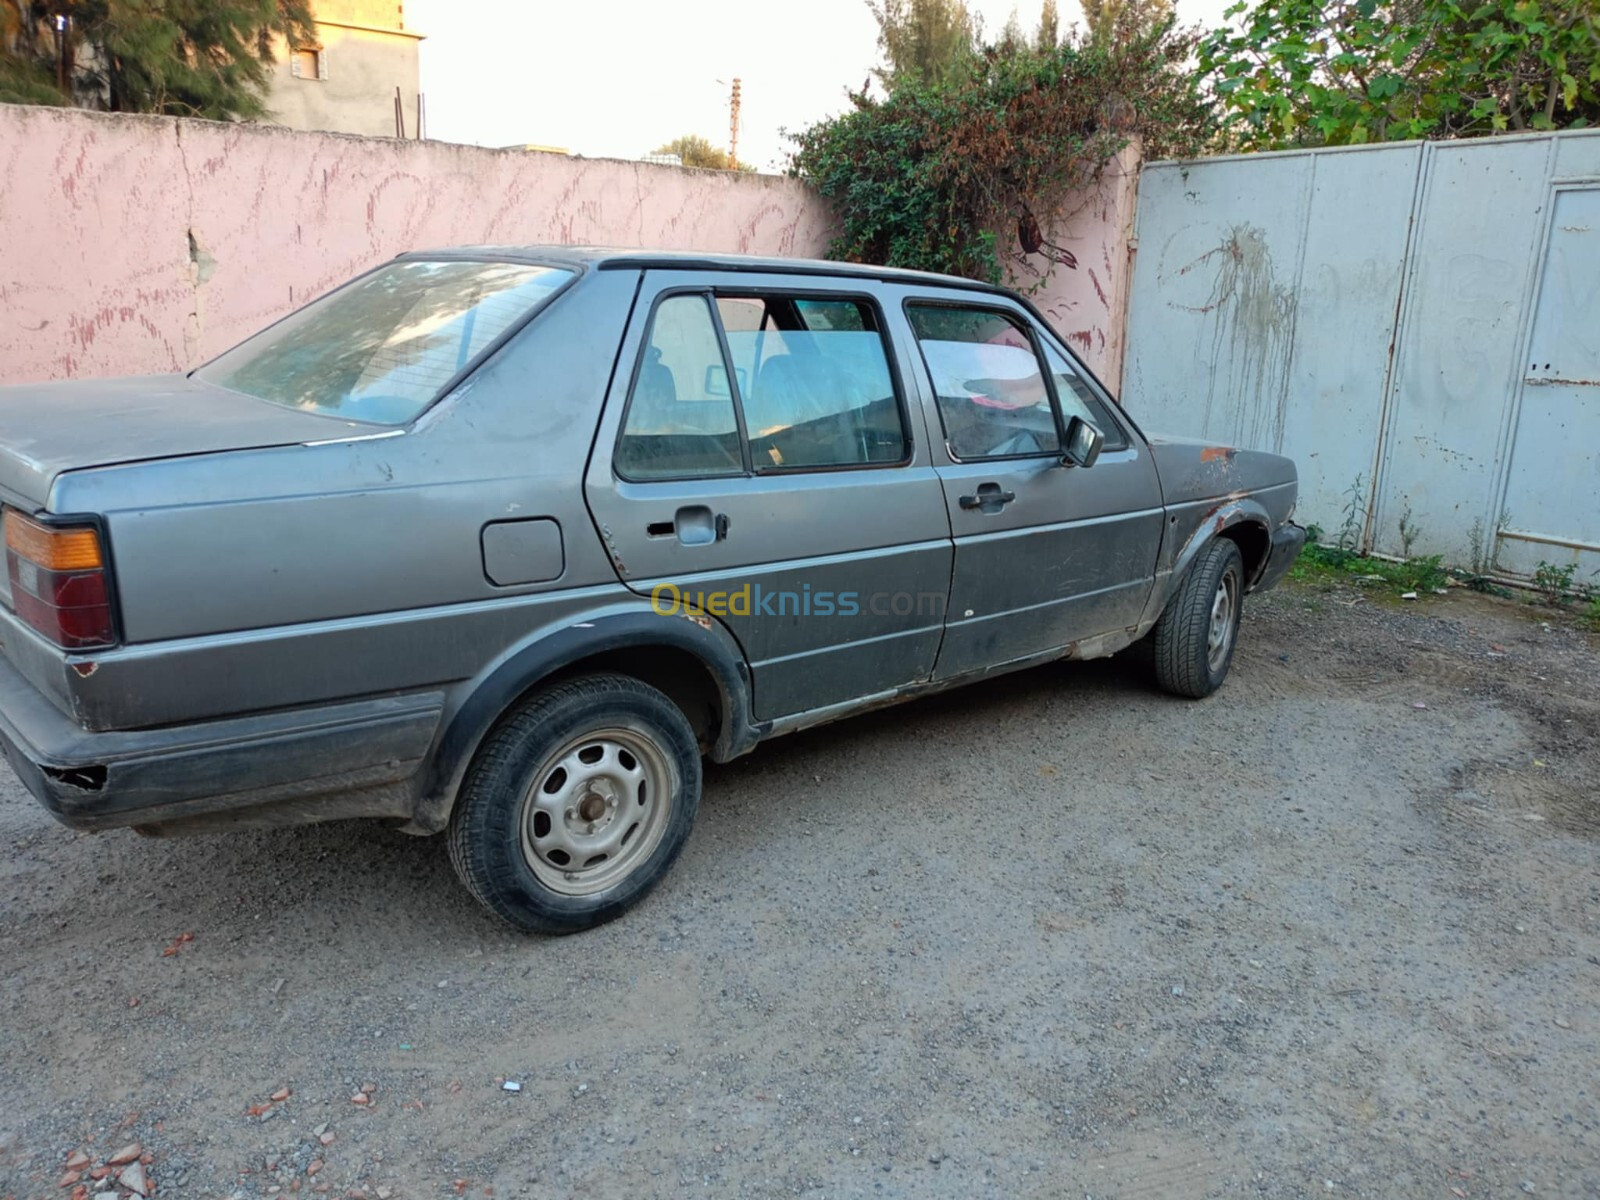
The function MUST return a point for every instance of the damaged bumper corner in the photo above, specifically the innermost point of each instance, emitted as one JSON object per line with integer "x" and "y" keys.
{"x": 1288, "y": 540}
{"x": 243, "y": 769}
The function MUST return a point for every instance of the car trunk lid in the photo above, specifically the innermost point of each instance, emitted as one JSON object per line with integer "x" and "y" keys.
{"x": 46, "y": 429}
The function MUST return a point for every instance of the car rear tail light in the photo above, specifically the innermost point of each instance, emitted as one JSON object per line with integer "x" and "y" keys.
{"x": 58, "y": 581}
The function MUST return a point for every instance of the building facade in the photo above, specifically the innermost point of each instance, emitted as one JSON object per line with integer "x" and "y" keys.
{"x": 347, "y": 82}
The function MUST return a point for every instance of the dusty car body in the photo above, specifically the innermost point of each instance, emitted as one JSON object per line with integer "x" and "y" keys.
{"x": 508, "y": 567}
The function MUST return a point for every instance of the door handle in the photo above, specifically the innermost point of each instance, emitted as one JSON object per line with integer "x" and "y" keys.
{"x": 989, "y": 498}
{"x": 694, "y": 525}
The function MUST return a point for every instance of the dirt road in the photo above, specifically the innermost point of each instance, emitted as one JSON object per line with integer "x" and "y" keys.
{"x": 1051, "y": 936}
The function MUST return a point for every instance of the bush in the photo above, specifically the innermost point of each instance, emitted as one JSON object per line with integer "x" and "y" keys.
{"x": 940, "y": 176}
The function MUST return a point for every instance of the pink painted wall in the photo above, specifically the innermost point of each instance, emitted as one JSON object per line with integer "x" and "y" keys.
{"x": 131, "y": 245}
{"x": 1088, "y": 303}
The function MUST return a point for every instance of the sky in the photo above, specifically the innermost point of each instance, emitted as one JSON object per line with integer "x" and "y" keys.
{"x": 618, "y": 78}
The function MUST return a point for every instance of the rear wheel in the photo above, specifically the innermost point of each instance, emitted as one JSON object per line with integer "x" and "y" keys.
{"x": 1194, "y": 639}
{"x": 576, "y": 804}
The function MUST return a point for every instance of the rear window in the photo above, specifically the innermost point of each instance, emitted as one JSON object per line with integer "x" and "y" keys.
{"x": 383, "y": 348}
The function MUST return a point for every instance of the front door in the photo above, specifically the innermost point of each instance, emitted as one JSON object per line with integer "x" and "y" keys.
{"x": 759, "y": 465}
{"x": 1046, "y": 554}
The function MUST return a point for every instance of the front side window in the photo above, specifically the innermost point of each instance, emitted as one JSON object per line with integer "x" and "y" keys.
{"x": 384, "y": 347}
{"x": 1078, "y": 399}
{"x": 993, "y": 399}
{"x": 680, "y": 422}
{"x": 810, "y": 377}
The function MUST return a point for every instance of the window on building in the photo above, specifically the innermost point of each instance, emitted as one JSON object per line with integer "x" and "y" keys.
{"x": 308, "y": 63}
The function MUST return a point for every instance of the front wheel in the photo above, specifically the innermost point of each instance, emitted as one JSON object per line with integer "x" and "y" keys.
{"x": 1194, "y": 639}
{"x": 576, "y": 804}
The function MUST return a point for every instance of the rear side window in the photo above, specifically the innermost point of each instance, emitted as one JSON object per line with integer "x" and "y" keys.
{"x": 992, "y": 395}
{"x": 809, "y": 376}
{"x": 681, "y": 421}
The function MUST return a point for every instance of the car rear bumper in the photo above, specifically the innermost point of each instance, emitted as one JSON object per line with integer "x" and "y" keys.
{"x": 348, "y": 759}
{"x": 1287, "y": 542}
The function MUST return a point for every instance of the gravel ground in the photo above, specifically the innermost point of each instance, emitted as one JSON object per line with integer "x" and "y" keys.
{"x": 1332, "y": 931}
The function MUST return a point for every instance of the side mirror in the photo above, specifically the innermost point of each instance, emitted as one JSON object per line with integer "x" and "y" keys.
{"x": 1083, "y": 443}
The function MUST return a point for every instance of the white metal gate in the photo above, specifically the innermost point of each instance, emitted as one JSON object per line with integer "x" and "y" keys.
{"x": 1552, "y": 500}
{"x": 1373, "y": 312}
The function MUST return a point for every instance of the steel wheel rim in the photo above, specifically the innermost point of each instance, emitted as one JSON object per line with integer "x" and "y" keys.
{"x": 1224, "y": 608}
{"x": 596, "y": 810}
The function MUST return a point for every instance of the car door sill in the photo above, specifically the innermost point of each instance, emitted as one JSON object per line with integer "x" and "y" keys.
{"x": 1101, "y": 645}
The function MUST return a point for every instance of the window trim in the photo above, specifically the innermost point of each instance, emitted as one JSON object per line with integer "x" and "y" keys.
{"x": 1015, "y": 318}
{"x": 714, "y": 292}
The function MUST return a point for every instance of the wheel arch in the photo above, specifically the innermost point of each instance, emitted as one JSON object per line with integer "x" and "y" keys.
{"x": 1244, "y": 522}
{"x": 695, "y": 661}
{"x": 1254, "y": 540}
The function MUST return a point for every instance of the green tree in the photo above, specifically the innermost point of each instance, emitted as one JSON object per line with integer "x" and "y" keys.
{"x": 939, "y": 175}
{"x": 927, "y": 40}
{"x": 1114, "y": 20}
{"x": 202, "y": 58}
{"x": 25, "y": 77}
{"x": 1048, "y": 36}
{"x": 695, "y": 151}
{"x": 1304, "y": 72}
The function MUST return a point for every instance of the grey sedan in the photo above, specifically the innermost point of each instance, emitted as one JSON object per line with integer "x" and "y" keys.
{"x": 500, "y": 542}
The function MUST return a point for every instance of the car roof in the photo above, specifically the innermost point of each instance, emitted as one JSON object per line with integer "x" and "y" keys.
{"x": 619, "y": 258}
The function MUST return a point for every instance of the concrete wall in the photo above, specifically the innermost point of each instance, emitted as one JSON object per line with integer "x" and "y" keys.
{"x": 141, "y": 244}
{"x": 1088, "y": 303}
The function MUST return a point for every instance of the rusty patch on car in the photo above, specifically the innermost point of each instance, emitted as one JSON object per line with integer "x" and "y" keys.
{"x": 85, "y": 669}
{"x": 1215, "y": 453}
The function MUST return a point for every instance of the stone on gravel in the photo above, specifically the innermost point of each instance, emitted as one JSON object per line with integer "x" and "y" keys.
{"x": 126, "y": 1155}
{"x": 134, "y": 1179}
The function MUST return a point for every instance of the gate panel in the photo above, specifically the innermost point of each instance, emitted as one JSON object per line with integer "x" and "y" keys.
{"x": 1263, "y": 306}
{"x": 1552, "y": 501}
{"x": 1462, "y": 327}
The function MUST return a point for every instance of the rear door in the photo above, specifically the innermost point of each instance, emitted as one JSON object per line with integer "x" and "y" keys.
{"x": 1046, "y": 554}
{"x": 758, "y": 464}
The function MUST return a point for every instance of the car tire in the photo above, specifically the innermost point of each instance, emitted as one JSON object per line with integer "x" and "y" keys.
{"x": 1194, "y": 639}
{"x": 576, "y": 804}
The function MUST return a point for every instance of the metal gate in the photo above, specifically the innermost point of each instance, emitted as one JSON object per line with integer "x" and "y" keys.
{"x": 1552, "y": 501}
{"x": 1385, "y": 315}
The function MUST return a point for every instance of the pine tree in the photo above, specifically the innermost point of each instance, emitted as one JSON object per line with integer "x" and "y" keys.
{"x": 923, "y": 39}
{"x": 1122, "y": 20}
{"x": 196, "y": 58}
{"x": 1049, "y": 35}
{"x": 25, "y": 73}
